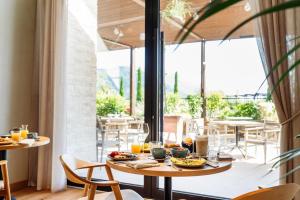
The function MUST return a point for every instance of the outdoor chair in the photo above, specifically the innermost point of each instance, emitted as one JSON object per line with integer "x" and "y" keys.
{"x": 106, "y": 137}
{"x": 281, "y": 192}
{"x": 264, "y": 135}
{"x": 223, "y": 136}
{"x": 71, "y": 165}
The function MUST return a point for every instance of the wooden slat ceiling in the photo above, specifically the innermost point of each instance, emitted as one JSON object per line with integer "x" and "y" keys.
{"x": 128, "y": 16}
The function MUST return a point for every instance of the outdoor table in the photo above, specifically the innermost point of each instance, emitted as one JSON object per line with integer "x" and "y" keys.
{"x": 167, "y": 171}
{"x": 237, "y": 124}
{"x": 3, "y": 149}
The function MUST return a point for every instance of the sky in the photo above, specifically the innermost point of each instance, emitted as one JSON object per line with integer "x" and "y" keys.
{"x": 233, "y": 67}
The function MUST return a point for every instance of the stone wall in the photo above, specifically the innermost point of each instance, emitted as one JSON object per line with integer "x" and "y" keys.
{"x": 81, "y": 92}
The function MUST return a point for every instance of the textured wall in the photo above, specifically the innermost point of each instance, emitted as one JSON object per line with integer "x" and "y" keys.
{"x": 81, "y": 92}
{"x": 17, "y": 31}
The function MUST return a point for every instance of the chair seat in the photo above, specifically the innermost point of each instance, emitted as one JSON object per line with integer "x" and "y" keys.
{"x": 126, "y": 194}
{"x": 256, "y": 141}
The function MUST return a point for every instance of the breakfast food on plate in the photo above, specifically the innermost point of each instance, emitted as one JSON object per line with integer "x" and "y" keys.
{"x": 188, "y": 162}
{"x": 171, "y": 145}
{"x": 116, "y": 155}
{"x": 5, "y": 141}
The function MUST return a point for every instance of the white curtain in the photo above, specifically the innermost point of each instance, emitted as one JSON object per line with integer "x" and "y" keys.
{"x": 49, "y": 96}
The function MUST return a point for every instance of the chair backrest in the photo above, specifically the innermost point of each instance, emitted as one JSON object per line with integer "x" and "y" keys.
{"x": 70, "y": 164}
{"x": 281, "y": 192}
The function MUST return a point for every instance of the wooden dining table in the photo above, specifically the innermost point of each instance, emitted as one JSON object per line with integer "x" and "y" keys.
{"x": 168, "y": 171}
{"x": 40, "y": 141}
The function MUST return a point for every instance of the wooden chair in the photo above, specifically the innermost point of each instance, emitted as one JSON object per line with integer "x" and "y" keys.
{"x": 71, "y": 164}
{"x": 281, "y": 192}
{"x": 5, "y": 188}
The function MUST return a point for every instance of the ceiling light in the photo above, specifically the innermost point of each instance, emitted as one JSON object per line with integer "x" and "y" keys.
{"x": 247, "y": 7}
{"x": 142, "y": 36}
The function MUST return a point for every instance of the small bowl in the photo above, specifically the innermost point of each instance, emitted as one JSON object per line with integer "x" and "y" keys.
{"x": 179, "y": 152}
{"x": 159, "y": 153}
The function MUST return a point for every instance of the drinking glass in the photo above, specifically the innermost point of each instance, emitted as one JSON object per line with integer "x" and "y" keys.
{"x": 143, "y": 132}
{"x": 136, "y": 148}
{"x": 24, "y": 131}
{"x": 154, "y": 144}
{"x": 16, "y": 135}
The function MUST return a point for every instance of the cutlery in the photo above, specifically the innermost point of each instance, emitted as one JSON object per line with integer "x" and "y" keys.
{"x": 212, "y": 164}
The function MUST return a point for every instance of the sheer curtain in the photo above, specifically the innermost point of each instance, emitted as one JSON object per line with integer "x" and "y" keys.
{"x": 49, "y": 85}
{"x": 275, "y": 32}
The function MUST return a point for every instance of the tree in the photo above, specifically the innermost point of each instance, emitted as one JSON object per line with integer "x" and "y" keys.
{"x": 139, "y": 95}
{"x": 176, "y": 83}
{"x": 121, "y": 91}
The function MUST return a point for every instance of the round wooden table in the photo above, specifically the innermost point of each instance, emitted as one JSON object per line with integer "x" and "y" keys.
{"x": 3, "y": 149}
{"x": 40, "y": 142}
{"x": 167, "y": 171}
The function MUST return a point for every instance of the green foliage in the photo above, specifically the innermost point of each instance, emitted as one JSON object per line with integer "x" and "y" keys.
{"x": 109, "y": 103}
{"x": 121, "y": 90}
{"x": 174, "y": 104}
{"x": 139, "y": 95}
{"x": 214, "y": 103}
{"x": 176, "y": 83}
{"x": 248, "y": 109}
{"x": 194, "y": 103}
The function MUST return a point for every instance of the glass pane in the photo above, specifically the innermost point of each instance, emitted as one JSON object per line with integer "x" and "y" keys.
{"x": 233, "y": 73}
{"x": 120, "y": 79}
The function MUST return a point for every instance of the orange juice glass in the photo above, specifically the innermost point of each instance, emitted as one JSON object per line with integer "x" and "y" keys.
{"x": 24, "y": 131}
{"x": 136, "y": 148}
{"x": 16, "y": 136}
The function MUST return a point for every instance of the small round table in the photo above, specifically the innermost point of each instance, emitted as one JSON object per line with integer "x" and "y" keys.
{"x": 42, "y": 140}
{"x": 168, "y": 172}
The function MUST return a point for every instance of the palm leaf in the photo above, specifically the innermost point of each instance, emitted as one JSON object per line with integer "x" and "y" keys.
{"x": 284, "y": 75}
{"x": 290, "y": 172}
{"x": 295, "y": 38}
{"x": 285, "y": 159}
{"x": 280, "y": 61}
{"x": 280, "y": 7}
{"x": 209, "y": 10}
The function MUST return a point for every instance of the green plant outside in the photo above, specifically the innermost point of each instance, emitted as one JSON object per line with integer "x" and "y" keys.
{"x": 176, "y": 83}
{"x": 194, "y": 104}
{"x": 121, "y": 91}
{"x": 174, "y": 104}
{"x": 214, "y": 103}
{"x": 108, "y": 103}
{"x": 248, "y": 109}
{"x": 139, "y": 95}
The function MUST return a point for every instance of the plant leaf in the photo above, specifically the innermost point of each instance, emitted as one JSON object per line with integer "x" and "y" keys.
{"x": 285, "y": 74}
{"x": 284, "y": 160}
{"x": 286, "y": 153}
{"x": 283, "y": 6}
{"x": 280, "y": 61}
{"x": 211, "y": 9}
{"x": 295, "y": 38}
{"x": 290, "y": 172}
{"x": 298, "y": 136}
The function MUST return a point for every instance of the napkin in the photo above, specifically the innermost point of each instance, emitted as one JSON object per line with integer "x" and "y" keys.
{"x": 27, "y": 141}
{"x": 139, "y": 164}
